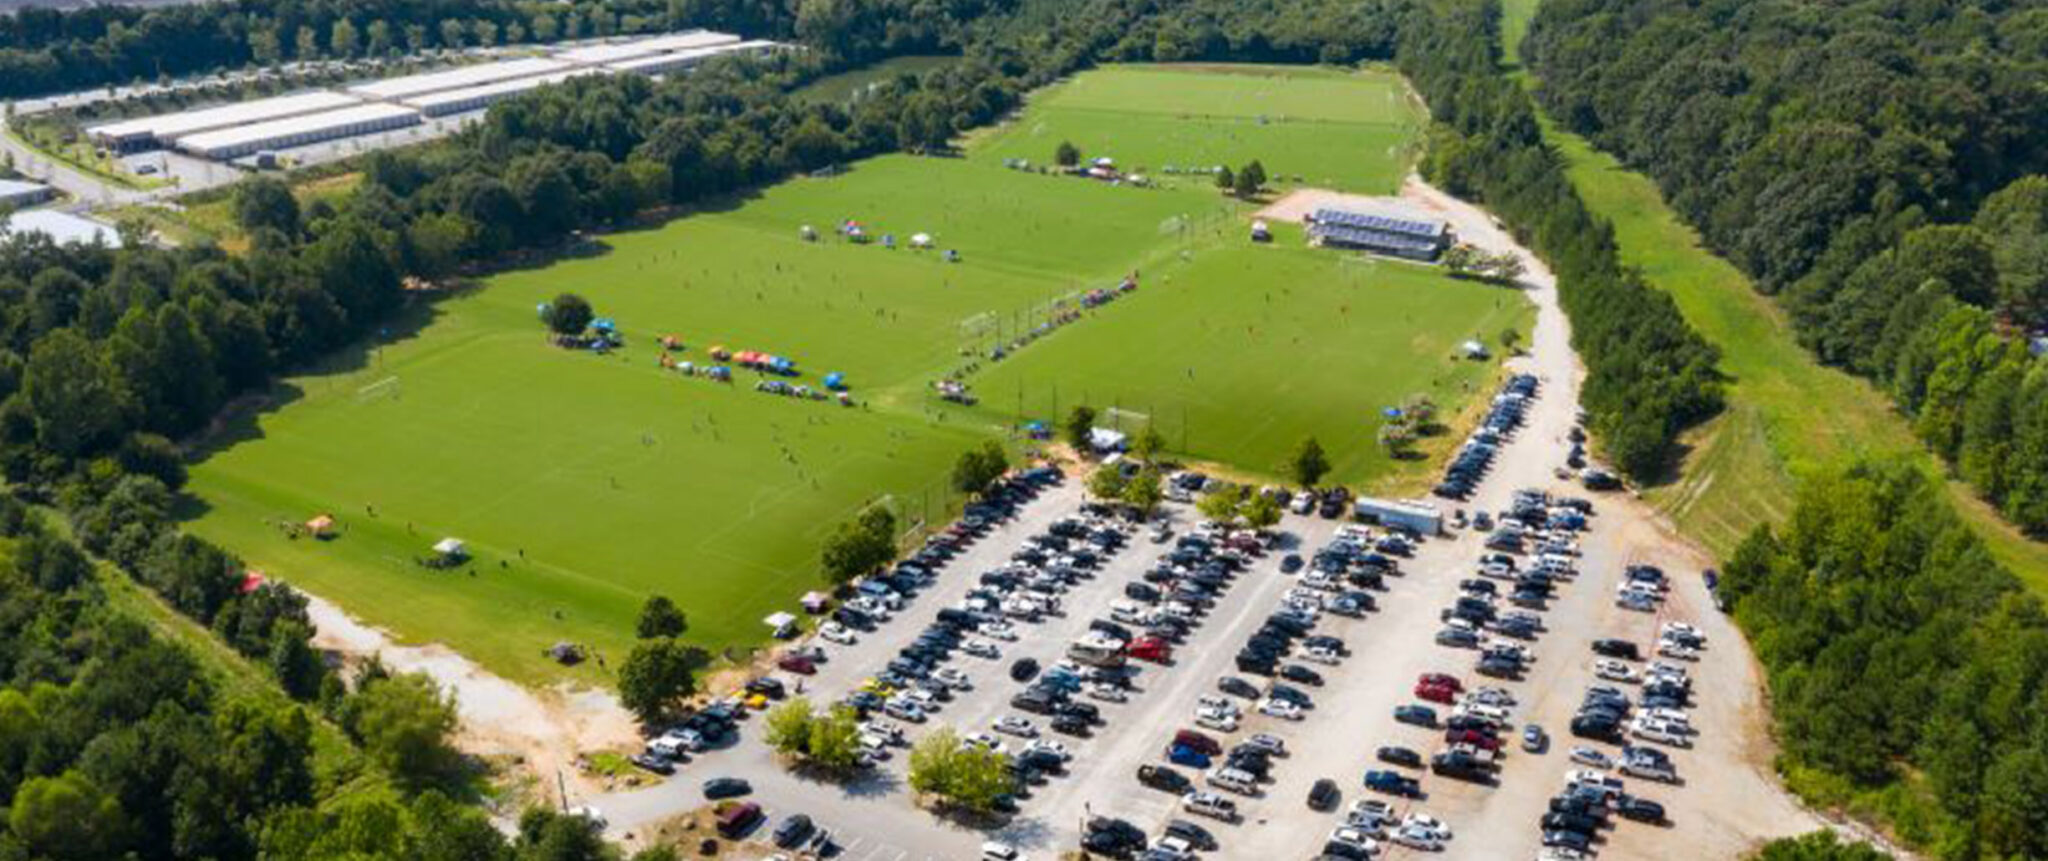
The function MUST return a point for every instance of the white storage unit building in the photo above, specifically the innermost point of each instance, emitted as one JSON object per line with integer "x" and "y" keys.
{"x": 62, "y": 227}
{"x": 15, "y": 194}
{"x": 477, "y": 98}
{"x": 413, "y": 86}
{"x": 603, "y": 55}
{"x": 299, "y": 131}
{"x": 165, "y": 129}
{"x": 1419, "y": 516}
{"x": 662, "y": 64}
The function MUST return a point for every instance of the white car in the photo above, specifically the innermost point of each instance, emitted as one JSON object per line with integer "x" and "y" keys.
{"x": 1049, "y": 746}
{"x": 1356, "y": 837}
{"x": 1676, "y": 719}
{"x": 1493, "y": 713}
{"x": 1104, "y": 691}
{"x": 1560, "y": 853}
{"x": 998, "y": 629}
{"x": 836, "y": 633}
{"x": 981, "y": 649}
{"x": 1210, "y": 804}
{"x": 1588, "y": 756}
{"x": 1279, "y": 708}
{"x": 994, "y": 851}
{"x": 953, "y": 678}
{"x": 875, "y": 746}
{"x": 1014, "y": 725}
{"x": 1267, "y": 742}
{"x": 1616, "y": 671}
{"x": 1416, "y": 838}
{"x": 1662, "y": 732}
{"x": 898, "y": 707}
{"x": 985, "y": 742}
{"x": 1218, "y": 721}
{"x": 1427, "y": 823}
{"x": 1674, "y": 650}
{"x": 1219, "y": 704}
{"x": 1684, "y": 629}
{"x": 1322, "y": 656}
{"x": 1235, "y": 780}
{"x": 1372, "y": 810}
{"x": 1492, "y": 696}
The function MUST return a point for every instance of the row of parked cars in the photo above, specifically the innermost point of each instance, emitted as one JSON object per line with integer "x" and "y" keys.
{"x": 1189, "y": 579}
{"x": 1476, "y": 456}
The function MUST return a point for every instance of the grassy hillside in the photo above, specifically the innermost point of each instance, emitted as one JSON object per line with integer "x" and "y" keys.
{"x": 1787, "y": 413}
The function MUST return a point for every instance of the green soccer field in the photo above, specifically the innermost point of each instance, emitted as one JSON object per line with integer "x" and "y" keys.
{"x": 583, "y": 483}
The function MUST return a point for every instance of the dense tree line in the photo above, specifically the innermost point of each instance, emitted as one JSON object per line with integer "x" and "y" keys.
{"x": 1878, "y": 166}
{"x": 1900, "y": 651}
{"x": 116, "y": 743}
{"x": 1649, "y": 375}
{"x": 44, "y": 50}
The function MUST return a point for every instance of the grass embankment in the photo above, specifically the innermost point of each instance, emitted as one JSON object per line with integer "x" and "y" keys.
{"x": 1787, "y": 413}
{"x": 846, "y": 85}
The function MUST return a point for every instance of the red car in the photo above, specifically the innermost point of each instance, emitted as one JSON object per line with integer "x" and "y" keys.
{"x": 1435, "y": 693}
{"x": 1474, "y": 738}
{"x": 1441, "y": 680}
{"x": 1190, "y": 739}
{"x": 798, "y": 664}
{"x": 1150, "y": 649}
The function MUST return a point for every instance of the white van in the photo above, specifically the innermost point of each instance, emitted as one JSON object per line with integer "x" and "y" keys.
{"x": 1234, "y": 780}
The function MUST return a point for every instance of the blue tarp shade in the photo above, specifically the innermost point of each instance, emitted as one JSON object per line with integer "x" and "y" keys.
{"x": 1391, "y": 412}
{"x": 603, "y": 324}
{"x": 835, "y": 381}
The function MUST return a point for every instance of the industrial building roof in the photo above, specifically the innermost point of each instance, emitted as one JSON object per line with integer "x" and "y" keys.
{"x": 432, "y": 100}
{"x": 454, "y": 79}
{"x": 13, "y": 188}
{"x": 295, "y": 125}
{"x": 165, "y": 127}
{"x": 62, "y": 227}
{"x": 654, "y": 61}
{"x": 598, "y": 55}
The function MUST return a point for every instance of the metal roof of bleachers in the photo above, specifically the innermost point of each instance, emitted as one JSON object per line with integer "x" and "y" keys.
{"x": 1386, "y": 239}
{"x": 1427, "y": 227}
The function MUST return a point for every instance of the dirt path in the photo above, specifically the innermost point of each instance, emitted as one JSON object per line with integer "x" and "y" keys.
{"x": 544, "y": 730}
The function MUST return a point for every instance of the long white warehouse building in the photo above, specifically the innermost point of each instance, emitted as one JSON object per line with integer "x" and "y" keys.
{"x": 602, "y": 55}
{"x": 413, "y": 86}
{"x": 165, "y": 129}
{"x": 299, "y": 131}
{"x": 661, "y": 64}
{"x": 476, "y": 98}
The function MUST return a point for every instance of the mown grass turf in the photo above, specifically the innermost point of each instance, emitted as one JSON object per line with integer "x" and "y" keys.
{"x": 1333, "y": 129}
{"x": 1787, "y": 413}
{"x": 1236, "y": 356}
{"x": 584, "y": 483}
{"x": 843, "y": 86}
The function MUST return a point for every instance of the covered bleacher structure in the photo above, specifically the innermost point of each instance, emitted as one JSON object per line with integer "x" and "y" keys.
{"x": 1381, "y": 233}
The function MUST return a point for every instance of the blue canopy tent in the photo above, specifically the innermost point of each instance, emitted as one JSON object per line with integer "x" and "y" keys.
{"x": 604, "y": 324}
{"x": 1392, "y": 412}
{"x": 782, "y": 365}
{"x": 835, "y": 381}
{"x": 1037, "y": 430}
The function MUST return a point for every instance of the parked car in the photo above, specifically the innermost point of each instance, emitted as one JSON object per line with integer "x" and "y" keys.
{"x": 1393, "y": 783}
{"x": 1163, "y": 778}
{"x": 1323, "y": 795}
{"x": 726, "y": 787}
{"x": 1397, "y": 755}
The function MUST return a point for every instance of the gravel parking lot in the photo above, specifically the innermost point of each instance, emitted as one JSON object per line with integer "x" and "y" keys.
{"x": 1726, "y": 802}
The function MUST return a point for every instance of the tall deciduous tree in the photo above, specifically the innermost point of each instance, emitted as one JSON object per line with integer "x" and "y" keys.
{"x": 660, "y": 617}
